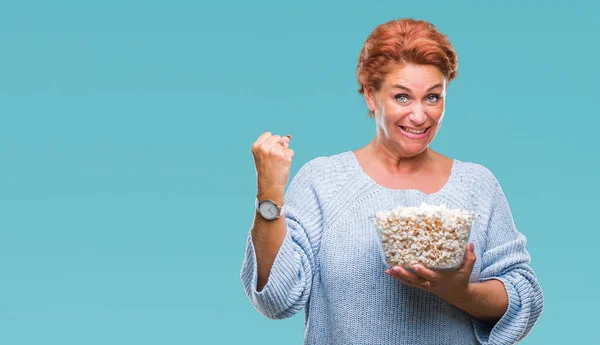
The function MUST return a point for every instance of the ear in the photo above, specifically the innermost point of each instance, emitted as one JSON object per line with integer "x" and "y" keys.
{"x": 370, "y": 98}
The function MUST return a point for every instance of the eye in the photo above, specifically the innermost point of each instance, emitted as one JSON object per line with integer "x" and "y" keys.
{"x": 402, "y": 98}
{"x": 433, "y": 98}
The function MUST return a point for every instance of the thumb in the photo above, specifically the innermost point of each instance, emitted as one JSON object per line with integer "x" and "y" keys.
{"x": 470, "y": 258}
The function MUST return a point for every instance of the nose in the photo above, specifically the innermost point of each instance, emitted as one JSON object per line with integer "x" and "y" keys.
{"x": 417, "y": 116}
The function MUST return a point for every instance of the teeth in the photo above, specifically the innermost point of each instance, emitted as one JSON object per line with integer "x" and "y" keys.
{"x": 413, "y": 131}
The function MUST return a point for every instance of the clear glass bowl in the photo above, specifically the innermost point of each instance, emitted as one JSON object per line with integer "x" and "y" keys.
{"x": 433, "y": 236}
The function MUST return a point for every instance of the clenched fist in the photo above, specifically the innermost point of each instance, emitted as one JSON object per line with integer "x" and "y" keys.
{"x": 273, "y": 160}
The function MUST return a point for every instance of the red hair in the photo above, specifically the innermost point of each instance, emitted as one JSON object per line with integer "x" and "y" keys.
{"x": 404, "y": 41}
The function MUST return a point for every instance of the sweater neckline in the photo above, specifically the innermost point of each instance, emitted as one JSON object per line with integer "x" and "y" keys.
{"x": 368, "y": 178}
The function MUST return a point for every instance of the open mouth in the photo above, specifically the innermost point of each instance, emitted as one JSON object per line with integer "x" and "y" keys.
{"x": 414, "y": 131}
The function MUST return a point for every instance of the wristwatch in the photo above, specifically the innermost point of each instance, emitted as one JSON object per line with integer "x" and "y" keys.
{"x": 268, "y": 209}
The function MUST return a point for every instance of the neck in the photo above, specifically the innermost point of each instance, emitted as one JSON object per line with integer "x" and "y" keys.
{"x": 397, "y": 163}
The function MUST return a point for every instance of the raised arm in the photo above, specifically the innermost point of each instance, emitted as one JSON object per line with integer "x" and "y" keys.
{"x": 279, "y": 262}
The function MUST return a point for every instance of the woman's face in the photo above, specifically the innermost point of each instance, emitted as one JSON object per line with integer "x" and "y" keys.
{"x": 409, "y": 108}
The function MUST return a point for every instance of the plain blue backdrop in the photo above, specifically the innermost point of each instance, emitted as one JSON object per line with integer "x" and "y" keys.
{"x": 126, "y": 178}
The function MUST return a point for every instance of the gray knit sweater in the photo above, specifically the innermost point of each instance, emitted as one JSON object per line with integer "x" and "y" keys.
{"x": 330, "y": 264}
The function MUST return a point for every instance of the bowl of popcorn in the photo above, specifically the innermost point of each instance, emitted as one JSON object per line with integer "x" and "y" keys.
{"x": 433, "y": 236}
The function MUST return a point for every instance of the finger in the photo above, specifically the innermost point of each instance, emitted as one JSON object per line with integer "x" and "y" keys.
{"x": 261, "y": 139}
{"x": 425, "y": 273}
{"x": 270, "y": 143}
{"x": 403, "y": 280}
{"x": 415, "y": 279}
{"x": 470, "y": 258}
{"x": 394, "y": 274}
{"x": 289, "y": 153}
{"x": 285, "y": 141}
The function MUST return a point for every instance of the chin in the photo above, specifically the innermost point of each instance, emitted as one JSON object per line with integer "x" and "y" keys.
{"x": 415, "y": 153}
{"x": 412, "y": 150}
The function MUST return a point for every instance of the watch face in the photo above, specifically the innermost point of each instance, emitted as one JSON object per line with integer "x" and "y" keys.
{"x": 269, "y": 210}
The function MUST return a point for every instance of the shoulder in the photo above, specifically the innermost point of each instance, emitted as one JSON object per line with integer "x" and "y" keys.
{"x": 477, "y": 170}
{"x": 325, "y": 175}
{"x": 484, "y": 190}
{"x": 326, "y": 167}
{"x": 478, "y": 176}
{"x": 312, "y": 170}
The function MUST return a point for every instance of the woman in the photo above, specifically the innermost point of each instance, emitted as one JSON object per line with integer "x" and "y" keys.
{"x": 319, "y": 251}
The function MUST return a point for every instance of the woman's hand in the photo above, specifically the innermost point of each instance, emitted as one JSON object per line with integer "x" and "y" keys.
{"x": 273, "y": 160}
{"x": 450, "y": 285}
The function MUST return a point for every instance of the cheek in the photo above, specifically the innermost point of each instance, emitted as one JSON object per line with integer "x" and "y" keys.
{"x": 437, "y": 112}
{"x": 395, "y": 112}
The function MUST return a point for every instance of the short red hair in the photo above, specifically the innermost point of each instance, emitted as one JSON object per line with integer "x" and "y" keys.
{"x": 404, "y": 41}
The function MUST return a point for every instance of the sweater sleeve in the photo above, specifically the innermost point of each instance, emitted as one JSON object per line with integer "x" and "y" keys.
{"x": 289, "y": 284}
{"x": 506, "y": 259}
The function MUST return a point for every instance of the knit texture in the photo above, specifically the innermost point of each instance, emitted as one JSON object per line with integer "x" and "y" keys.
{"x": 330, "y": 263}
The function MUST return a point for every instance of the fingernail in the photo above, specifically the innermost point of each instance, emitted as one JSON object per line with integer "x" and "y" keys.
{"x": 472, "y": 247}
{"x": 415, "y": 267}
{"x": 289, "y": 136}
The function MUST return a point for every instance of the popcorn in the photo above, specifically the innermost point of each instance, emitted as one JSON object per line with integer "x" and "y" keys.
{"x": 433, "y": 236}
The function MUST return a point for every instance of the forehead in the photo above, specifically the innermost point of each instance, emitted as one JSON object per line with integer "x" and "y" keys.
{"x": 416, "y": 77}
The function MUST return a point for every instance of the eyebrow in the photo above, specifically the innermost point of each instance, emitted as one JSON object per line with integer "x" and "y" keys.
{"x": 398, "y": 86}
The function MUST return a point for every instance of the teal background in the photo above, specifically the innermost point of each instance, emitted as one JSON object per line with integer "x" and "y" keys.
{"x": 127, "y": 182}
